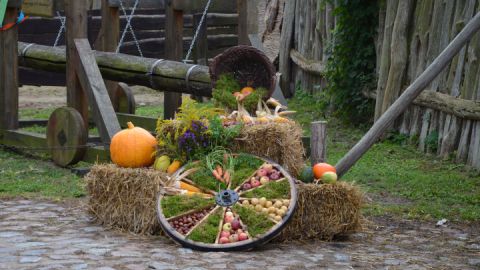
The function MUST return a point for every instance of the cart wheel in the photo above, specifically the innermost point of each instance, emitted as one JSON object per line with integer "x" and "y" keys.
{"x": 126, "y": 99}
{"x": 66, "y": 136}
{"x": 197, "y": 219}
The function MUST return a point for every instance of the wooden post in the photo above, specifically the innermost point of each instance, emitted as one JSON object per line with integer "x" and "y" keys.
{"x": 107, "y": 41}
{"x": 242, "y": 9}
{"x": 92, "y": 82}
{"x": 9, "y": 69}
{"x": 406, "y": 99}
{"x": 173, "y": 51}
{"x": 76, "y": 14}
{"x": 318, "y": 143}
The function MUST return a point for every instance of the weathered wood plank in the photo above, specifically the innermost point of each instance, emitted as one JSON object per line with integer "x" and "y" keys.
{"x": 24, "y": 139}
{"x": 174, "y": 51}
{"x": 311, "y": 66}
{"x": 286, "y": 45}
{"x": 242, "y": 7}
{"x": 92, "y": 83}
{"x": 408, "y": 96}
{"x": 9, "y": 73}
{"x": 198, "y": 5}
{"x": 148, "y": 123}
{"x": 318, "y": 142}
{"x": 76, "y": 27}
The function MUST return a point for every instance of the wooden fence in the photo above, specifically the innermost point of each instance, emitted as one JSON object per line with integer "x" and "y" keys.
{"x": 445, "y": 119}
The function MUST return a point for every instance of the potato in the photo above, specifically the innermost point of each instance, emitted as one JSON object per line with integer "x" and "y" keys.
{"x": 268, "y": 204}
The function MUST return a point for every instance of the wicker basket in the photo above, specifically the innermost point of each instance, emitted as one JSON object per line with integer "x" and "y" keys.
{"x": 249, "y": 66}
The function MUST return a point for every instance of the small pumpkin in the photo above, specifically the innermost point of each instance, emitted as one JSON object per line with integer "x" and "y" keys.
{"x": 320, "y": 168}
{"x": 247, "y": 90}
{"x": 174, "y": 167}
{"x": 133, "y": 147}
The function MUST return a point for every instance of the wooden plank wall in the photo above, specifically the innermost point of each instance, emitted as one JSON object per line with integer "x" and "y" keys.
{"x": 433, "y": 24}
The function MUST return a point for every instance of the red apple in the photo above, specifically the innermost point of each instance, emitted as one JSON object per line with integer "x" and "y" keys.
{"x": 247, "y": 186}
{"x": 228, "y": 219}
{"x": 224, "y": 240}
{"x": 225, "y": 234}
{"x": 242, "y": 236}
{"x": 235, "y": 224}
{"x": 255, "y": 183}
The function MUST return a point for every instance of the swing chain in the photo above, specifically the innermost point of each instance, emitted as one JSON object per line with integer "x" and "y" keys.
{"x": 61, "y": 30}
{"x": 197, "y": 32}
{"x": 128, "y": 27}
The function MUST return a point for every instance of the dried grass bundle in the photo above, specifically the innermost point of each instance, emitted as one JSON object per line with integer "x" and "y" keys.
{"x": 124, "y": 198}
{"x": 324, "y": 211}
{"x": 280, "y": 142}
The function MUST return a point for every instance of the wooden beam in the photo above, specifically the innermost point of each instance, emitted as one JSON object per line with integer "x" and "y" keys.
{"x": 9, "y": 72}
{"x": 107, "y": 41}
{"x": 92, "y": 83}
{"x": 242, "y": 8}
{"x": 167, "y": 76}
{"x": 173, "y": 51}
{"x": 24, "y": 139}
{"x": 44, "y": 8}
{"x": 462, "y": 108}
{"x": 311, "y": 66}
{"x": 286, "y": 42}
{"x": 148, "y": 123}
{"x": 76, "y": 27}
{"x": 220, "y": 6}
{"x": 408, "y": 96}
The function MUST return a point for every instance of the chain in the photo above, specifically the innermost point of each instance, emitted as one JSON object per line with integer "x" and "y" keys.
{"x": 128, "y": 27}
{"x": 62, "y": 28}
{"x": 204, "y": 15}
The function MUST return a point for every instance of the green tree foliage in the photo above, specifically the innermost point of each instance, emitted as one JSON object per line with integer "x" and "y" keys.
{"x": 351, "y": 64}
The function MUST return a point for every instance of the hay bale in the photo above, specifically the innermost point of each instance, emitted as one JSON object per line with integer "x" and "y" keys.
{"x": 124, "y": 198}
{"x": 323, "y": 212}
{"x": 280, "y": 142}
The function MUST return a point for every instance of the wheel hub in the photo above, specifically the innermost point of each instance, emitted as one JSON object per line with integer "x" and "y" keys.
{"x": 226, "y": 198}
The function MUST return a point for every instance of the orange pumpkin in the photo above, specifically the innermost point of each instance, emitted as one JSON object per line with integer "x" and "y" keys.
{"x": 133, "y": 147}
{"x": 174, "y": 167}
{"x": 320, "y": 168}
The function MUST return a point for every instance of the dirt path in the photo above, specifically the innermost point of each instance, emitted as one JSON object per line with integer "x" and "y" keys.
{"x": 46, "y": 235}
{"x": 51, "y": 96}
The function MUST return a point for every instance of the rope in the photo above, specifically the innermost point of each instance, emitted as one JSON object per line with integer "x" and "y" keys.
{"x": 152, "y": 69}
{"x": 128, "y": 27}
{"x": 61, "y": 29}
{"x": 194, "y": 40}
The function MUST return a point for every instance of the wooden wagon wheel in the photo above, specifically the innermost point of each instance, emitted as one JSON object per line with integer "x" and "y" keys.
{"x": 197, "y": 218}
{"x": 66, "y": 136}
{"x": 125, "y": 99}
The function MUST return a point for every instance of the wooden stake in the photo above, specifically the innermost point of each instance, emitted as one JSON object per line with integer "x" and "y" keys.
{"x": 406, "y": 99}
{"x": 318, "y": 143}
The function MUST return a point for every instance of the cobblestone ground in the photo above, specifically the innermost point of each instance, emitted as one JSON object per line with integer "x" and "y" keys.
{"x": 46, "y": 235}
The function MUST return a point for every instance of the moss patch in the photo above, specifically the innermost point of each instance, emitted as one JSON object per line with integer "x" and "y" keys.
{"x": 272, "y": 190}
{"x": 241, "y": 175}
{"x": 178, "y": 204}
{"x": 243, "y": 161}
{"x": 204, "y": 178}
{"x": 208, "y": 230}
{"x": 257, "y": 223}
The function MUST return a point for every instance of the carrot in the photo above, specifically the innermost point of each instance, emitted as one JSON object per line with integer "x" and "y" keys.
{"x": 226, "y": 176}
{"x": 217, "y": 176}
{"x": 219, "y": 170}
